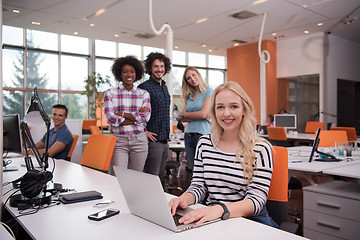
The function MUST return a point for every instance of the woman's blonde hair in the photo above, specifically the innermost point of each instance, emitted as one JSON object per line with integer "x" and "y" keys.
{"x": 187, "y": 89}
{"x": 247, "y": 134}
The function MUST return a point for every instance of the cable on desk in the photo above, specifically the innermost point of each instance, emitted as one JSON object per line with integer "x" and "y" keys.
{"x": 8, "y": 229}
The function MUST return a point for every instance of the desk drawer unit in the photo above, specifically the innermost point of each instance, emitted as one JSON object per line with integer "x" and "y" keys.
{"x": 332, "y": 209}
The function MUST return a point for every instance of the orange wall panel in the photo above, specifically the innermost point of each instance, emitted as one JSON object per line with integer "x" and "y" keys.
{"x": 243, "y": 67}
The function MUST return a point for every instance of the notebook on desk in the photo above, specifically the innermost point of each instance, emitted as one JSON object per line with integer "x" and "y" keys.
{"x": 145, "y": 198}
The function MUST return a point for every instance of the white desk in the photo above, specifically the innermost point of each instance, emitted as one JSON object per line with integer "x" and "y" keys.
{"x": 352, "y": 171}
{"x": 70, "y": 221}
{"x": 302, "y": 153}
{"x": 295, "y": 137}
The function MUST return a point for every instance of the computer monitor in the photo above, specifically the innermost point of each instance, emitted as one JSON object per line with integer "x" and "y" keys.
{"x": 326, "y": 156}
{"x": 288, "y": 121}
{"x": 11, "y": 133}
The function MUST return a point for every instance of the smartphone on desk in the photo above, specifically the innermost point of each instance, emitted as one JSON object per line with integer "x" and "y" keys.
{"x": 103, "y": 214}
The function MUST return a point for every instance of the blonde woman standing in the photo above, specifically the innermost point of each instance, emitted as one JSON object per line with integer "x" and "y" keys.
{"x": 196, "y": 96}
{"x": 233, "y": 166}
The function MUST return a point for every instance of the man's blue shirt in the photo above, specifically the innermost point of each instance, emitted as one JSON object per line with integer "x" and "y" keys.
{"x": 159, "y": 122}
{"x": 63, "y": 135}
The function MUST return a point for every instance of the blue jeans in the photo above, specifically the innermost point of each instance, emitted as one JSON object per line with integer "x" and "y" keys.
{"x": 264, "y": 218}
{"x": 191, "y": 140}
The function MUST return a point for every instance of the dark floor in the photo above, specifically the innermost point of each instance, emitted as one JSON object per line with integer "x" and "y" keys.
{"x": 295, "y": 203}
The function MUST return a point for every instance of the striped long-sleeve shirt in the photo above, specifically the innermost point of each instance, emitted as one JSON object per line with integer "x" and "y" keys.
{"x": 217, "y": 173}
{"x": 121, "y": 100}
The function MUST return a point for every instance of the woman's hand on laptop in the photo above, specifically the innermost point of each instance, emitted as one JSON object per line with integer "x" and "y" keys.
{"x": 202, "y": 215}
{"x": 183, "y": 202}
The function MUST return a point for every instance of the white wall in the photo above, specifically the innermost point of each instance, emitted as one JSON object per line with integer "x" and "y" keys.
{"x": 340, "y": 62}
{"x": 327, "y": 55}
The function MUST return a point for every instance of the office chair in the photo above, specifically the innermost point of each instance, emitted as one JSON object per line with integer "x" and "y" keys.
{"x": 86, "y": 124}
{"x": 72, "y": 147}
{"x": 277, "y": 202}
{"x": 98, "y": 152}
{"x": 329, "y": 138}
{"x": 94, "y": 129}
{"x": 312, "y": 127}
{"x": 350, "y": 132}
{"x": 277, "y": 136}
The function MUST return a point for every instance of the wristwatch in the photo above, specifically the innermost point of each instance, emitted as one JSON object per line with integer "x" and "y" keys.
{"x": 226, "y": 213}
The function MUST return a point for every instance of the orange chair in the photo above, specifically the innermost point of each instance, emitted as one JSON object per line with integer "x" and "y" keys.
{"x": 86, "y": 124}
{"x": 95, "y": 130}
{"x": 330, "y": 138}
{"x": 98, "y": 152}
{"x": 312, "y": 127}
{"x": 277, "y": 201}
{"x": 350, "y": 132}
{"x": 277, "y": 136}
{"x": 72, "y": 147}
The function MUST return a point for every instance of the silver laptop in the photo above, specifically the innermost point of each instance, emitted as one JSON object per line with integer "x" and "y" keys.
{"x": 145, "y": 198}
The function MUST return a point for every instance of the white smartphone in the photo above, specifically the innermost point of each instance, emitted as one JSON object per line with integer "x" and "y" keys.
{"x": 103, "y": 203}
{"x": 103, "y": 214}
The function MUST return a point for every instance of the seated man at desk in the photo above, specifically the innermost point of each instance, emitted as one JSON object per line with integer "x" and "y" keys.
{"x": 60, "y": 137}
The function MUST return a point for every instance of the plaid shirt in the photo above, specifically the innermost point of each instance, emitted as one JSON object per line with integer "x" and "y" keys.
{"x": 121, "y": 100}
{"x": 159, "y": 122}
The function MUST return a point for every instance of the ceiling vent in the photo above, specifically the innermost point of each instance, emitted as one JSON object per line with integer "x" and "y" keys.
{"x": 239, "y": 41}
{"x": 243, "y": 15}
{"x": 144, "y": 35}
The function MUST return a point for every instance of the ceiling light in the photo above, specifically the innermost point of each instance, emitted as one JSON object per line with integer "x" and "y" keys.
{"x": 35, "y": 23}
{"x": 204, "y": 45}
{"x": 320, "y": 24}
{"x": 176, "y": 47}
{"x": 76, "y": 33}
{"x": 273, "y": 34}
{"x": 16, "y": 11}
{"x": 258, "y": 2}
{"x": 236, "y": 44}
{"x": 92, "y": 24}
{"x": 210, "y": 50}
{"x": 201, "y": 20}
{"x": 306, "y": 31}
{"x": 99, "y": 12}
{"x": 350, "y": 21}
{"x": 117, "y": 35}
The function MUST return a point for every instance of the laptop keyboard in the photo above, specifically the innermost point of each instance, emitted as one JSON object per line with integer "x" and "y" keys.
{"x": 176, "y": 218}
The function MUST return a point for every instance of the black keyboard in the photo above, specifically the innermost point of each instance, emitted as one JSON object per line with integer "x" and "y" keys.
{"x": 327, "y": 160}
{"x": 176, "y": 218}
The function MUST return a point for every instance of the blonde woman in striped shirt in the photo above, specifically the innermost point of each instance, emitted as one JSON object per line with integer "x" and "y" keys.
{"x": 233, "y": 166}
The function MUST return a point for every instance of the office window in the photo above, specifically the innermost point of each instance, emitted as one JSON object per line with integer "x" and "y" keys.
{"x": 13, "y": 102}
{"x": 197, "y": 59}
{"x": 179, "y": 57}
{"x": 216, "y": 78}
{"x": 77, "y": 105}
{"x": 43, "y": 40}
{"x": 42, "y": 70}
{"x": 203, "y": 74}
{"x": 129, "y": 49}
{"x": 73, "y": 44}
{"x": 148, "y": 50}
{"x": 216, "y": 61}
{"x": 47, "y": 100}
{"x": 177, "y": 74}
{"x": 105, "y": 48}
{"x": 74, "y": 70}
{"x": 13, "y": 35}
{"x": 13, "y": 67}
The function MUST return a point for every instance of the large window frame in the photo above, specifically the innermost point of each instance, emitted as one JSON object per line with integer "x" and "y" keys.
{"x": 92, "y": 59}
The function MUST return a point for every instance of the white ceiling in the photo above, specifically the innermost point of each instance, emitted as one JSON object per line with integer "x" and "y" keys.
{"x": 129, "y": 17}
